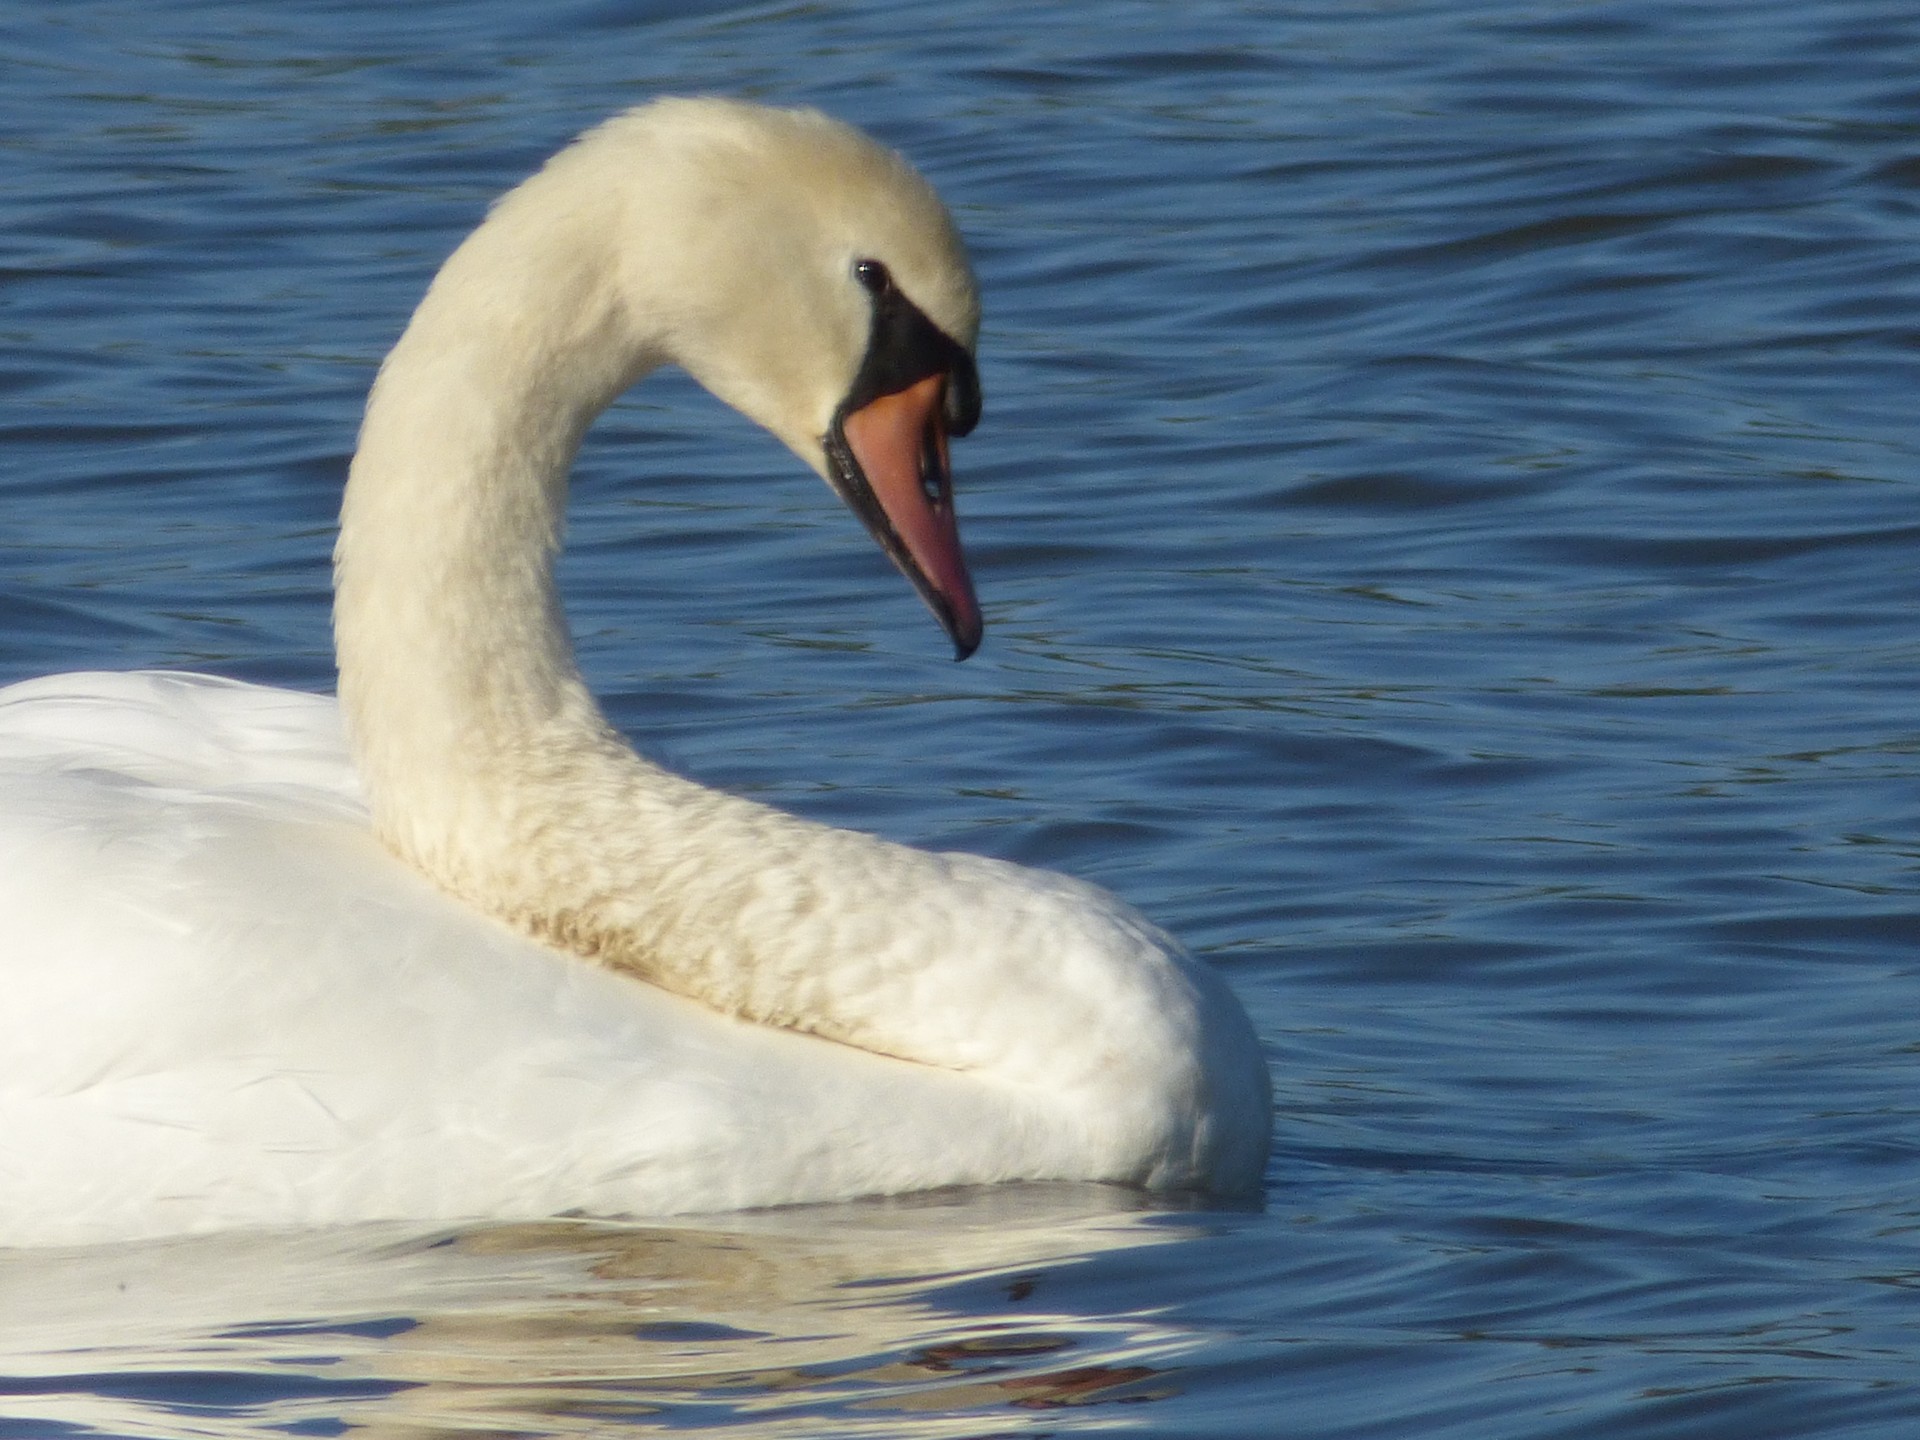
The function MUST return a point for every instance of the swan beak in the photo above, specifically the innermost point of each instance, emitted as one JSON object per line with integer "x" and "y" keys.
{"x": 890, "y": 463}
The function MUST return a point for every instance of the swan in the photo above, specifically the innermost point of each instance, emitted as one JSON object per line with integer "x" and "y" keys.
{"x": 449, "y": 948}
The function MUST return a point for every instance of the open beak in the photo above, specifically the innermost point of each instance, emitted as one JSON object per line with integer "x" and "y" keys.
{"x": 889, "y": 462}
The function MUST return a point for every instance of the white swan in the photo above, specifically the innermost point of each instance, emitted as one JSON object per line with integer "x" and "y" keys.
{"x": 223, "y": 1001}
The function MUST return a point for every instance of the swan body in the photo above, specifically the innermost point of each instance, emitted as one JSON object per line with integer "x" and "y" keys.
{"x": 450, "y": 948}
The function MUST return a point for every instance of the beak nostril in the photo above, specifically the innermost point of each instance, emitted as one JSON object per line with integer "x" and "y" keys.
{"x": 933, "y": 474}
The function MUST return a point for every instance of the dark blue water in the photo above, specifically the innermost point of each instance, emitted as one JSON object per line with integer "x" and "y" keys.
{"x": 1447, "y": 514}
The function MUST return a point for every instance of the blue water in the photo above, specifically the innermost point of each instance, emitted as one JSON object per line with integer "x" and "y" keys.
{"x": 1446, "y": 513}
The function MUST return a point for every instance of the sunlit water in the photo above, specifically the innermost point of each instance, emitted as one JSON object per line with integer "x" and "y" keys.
{"x": 1447, "y": 516}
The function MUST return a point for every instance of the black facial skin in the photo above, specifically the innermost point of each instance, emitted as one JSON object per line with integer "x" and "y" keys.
{"x": 903, "y": 347}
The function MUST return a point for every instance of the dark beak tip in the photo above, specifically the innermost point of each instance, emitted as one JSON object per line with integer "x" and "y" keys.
{"x": 966, "y": 631}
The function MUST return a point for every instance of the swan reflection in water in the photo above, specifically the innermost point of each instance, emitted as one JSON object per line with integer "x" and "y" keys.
{"x": 954, "y": 1306}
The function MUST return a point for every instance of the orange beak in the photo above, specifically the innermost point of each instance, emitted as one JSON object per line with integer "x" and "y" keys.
{"x": 901, "y": 484}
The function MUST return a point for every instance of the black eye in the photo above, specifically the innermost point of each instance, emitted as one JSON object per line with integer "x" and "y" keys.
{"x": 873, "y": 275}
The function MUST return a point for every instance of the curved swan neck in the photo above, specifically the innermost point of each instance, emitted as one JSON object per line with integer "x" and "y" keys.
{"x": 450, "y": 637}
{"x": 486, "y": 762}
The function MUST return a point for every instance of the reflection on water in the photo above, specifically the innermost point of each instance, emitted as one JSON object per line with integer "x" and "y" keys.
{"x": 951, "y": 1308}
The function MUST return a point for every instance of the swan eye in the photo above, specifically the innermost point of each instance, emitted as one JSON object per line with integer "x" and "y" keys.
{"x": 873, "y": 276}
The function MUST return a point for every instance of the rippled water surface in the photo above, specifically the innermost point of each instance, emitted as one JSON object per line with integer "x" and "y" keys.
{"x": 1447, "y": 515}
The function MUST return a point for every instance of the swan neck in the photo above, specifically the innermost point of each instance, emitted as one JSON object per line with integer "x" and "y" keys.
{"x": 452, "y": 645}
{"x": 487, "y": 765}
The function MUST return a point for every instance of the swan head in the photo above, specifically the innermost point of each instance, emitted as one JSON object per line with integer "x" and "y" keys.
{"x": 811, "y": 279}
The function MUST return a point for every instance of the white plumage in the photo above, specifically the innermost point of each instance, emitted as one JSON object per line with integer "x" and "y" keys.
{"x": 493, "y": 963}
